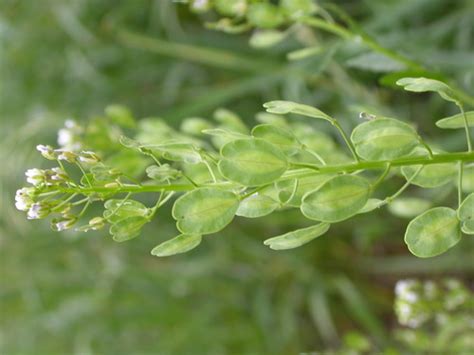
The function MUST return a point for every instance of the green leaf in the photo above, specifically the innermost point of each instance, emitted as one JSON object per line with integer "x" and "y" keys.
{"x": 297, "y": 238}
{"x": 162, "y": 173}
{"x": 337, "y": 199}
{"x": 304, "y": 53}
{"x": 266, "y": 38}
{"x": 179, "y": 244}
{"x": 224, "y": 133}
{"x": 282, "y": 138}
{"x": 120, "y": 115}
{"x": 432, "y": 175}
{"x": 468, "y": 179}
{"x": 284, "y": 107}
{"x": 408, "y": 207}
{"x": 195, "y": 125}
{"x": 370, "y": 205}
{"x": 467, "y": 227}
{"x": 256, "y": 206}
{"x": 127, "y": 228}
{"x": 116, "y": 210}
{"x": 252, "y": 162}
{"x": 425, "y": 84}
{"x": 456, "y": 121}
{"x": 466, "y": 210}
{"x": 204, "y": 210}
{"x": 230, "y": 120}
{"x": 433, "y": 232}
{"x": 384, "y": 139}
{"x": 182, "y": 152}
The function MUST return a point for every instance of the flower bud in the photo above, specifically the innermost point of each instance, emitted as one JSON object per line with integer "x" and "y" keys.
{"x": 89, "y": 157}
{"x": 64, "y": 223}
{"x": 66, "y": 155}
{"x": 46, "y": 151}
{"x": 97, "y": 223}
{"x": 35, "y": 176}
{"x": 38, "y": 210}
{"x": 58, "y": 175}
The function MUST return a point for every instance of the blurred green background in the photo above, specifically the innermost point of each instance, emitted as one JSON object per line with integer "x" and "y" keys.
{"x": 70, "y": 293}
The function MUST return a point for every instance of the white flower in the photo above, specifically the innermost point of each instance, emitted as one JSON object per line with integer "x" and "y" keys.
{"x": 46, "y": 151}
{"x": 35, "y": 176}
{"x": 23, "y": 199}
{"x": 38, "y": 210}
{"x": 65, "y": 137}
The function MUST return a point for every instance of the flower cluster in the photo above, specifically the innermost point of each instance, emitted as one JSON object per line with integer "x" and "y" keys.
{"x": 48, "y": 194}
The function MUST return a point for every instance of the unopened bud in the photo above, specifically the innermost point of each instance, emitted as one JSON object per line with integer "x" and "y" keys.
{"x": 38, "y": 210}
{"x": 66, "y": 155}
{"x": 64, "y": 223}
{"x": 89, "y": 157}
{"x": 46, "y": 151}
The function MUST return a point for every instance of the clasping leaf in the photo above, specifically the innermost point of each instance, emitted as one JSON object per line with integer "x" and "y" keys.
{"x": 284, "y": 107}
{"x": 297, "y": 238}
{"x": 205, "y": 210}
{"x": 180, "y": 244}
{"x": 433, "y": 232}
{"x": 337, "y": 199}
{"x": 383, "y": 139}
{"x": 252, "y": 162}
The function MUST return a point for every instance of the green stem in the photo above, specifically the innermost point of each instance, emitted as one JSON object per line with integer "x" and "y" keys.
{"x": 346, "y": 139}
{"x": 403, "y": 188}
{"x": 460, "y": 176}
{"x": 83, "y": 173}
{"x": 381, "y": 177}
{"x": 466, "y": 127}
{"x": 303, "y": 171}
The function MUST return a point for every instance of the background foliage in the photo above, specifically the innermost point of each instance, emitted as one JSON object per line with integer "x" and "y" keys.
{"x": 75, "y": 293}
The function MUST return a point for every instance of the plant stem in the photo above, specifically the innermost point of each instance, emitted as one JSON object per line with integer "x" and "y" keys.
{"x": 390, "y": 198}
{"x": 346, "y": 139}
{"x": 460, "y": 175}
{"x": 381, "y": 177}
{"x": 303, "y": 171}
{"x": 466, "y": 127}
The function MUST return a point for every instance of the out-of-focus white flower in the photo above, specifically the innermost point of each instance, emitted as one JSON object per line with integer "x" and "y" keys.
{"x": 88, "y": 157}
{"x": 35, "y": 176}
{"x": 23, "y": 199}
{"x": 66, "y": 155}
{"x": 46, "y": 151}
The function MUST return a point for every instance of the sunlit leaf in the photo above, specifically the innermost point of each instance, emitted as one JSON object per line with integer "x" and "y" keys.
{"x": 256, "y": 206}
{"x": 432, "y": 175}
{"x": 284, "y": 139}
{"x": 433, "y": 232}
{"x": 116, "y": 209}
{"x": 456, "y": 121}
{"x": 425, "y": 84}
{"x": 252, "y": 162}
{"x": 337, "y": 199}
{"x": 297, "y": 238}
{"x": 205, "y": 210}
{"x": 177, "y": 152}
{"x": 284, "y": 107}
{"x": 179, "y": 244}
{"x": 383, "y": 139}
{"x": 127, "y": 228}
{"x": 408, "y": 207}
{"x": 305, "y": 185}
